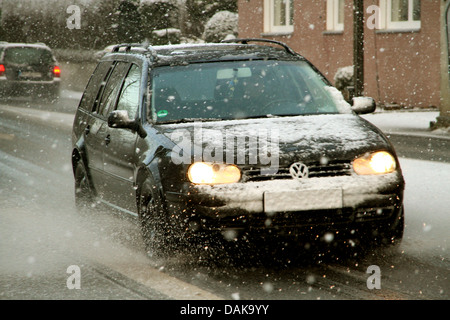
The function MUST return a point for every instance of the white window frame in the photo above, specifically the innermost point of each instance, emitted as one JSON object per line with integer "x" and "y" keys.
{"x": 386, "y": 18}
{"x": 333, "y": 15}
{"x": 269, "y": 18}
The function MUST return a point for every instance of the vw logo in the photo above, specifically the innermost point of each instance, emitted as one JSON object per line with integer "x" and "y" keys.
{"x": 299, "y": 170}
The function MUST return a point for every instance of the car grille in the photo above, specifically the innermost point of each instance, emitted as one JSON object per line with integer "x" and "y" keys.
{"x": 316, "y": 170}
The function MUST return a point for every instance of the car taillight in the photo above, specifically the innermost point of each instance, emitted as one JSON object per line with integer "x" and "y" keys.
{"x": 56, "y": 71}
{"x": 2, "y": 69}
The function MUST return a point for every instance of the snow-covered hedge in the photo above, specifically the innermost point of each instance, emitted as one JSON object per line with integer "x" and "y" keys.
{"x": 343, "y": 81}
{"x": 166, "y": 36}
{"x": 198, "y": 12}
{"x": 343, "y": 77}
{"x": 105, "y": 22}
{"x": 223, "y": 24}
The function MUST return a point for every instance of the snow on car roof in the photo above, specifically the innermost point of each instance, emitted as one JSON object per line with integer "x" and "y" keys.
{"x": 185, "y": 53}
{"x": 19, "y": 44}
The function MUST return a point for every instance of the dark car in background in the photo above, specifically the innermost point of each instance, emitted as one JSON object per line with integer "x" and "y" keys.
{"x": 28, "y": 69}
{"x": 245, "y": 138}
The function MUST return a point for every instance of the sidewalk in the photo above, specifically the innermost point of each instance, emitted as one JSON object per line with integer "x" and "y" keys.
{"x": 408, "y": 122}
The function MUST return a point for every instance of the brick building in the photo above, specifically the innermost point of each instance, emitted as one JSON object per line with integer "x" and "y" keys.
{"x": 403, "y": 42}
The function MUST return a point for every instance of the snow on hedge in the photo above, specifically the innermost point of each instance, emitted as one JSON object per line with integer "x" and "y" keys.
{"x": 223, "y": 24}
{"x": 343, "y": 77}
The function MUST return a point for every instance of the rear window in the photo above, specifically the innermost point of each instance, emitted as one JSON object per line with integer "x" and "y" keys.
{"x": 28, "y": 55}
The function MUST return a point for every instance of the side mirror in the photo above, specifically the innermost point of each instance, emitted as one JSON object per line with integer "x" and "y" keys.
{"x": 119, "y": 119}
{"x": 363, "y": 105}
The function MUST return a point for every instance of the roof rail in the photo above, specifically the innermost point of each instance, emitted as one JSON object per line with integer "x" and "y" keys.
{"x": 247, "y": 40}
{"x": 128, "y": 46}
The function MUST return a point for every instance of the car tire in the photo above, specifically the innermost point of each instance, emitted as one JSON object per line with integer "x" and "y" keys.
{"x": 158, "y": 240}
{"x": 84, "y": 198}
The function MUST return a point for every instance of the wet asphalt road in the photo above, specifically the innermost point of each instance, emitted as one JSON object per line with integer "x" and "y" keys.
{"x": 42, "y": 235}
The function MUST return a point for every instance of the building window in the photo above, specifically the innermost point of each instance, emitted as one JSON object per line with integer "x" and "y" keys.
{"x": 278, "y": 16}
{"x": 335, "y": 15}
{"x": 402, "y": 14}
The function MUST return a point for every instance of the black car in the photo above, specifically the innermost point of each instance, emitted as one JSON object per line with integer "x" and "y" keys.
{"x": 242, "y": 138}
{"x": 28, "y": 69}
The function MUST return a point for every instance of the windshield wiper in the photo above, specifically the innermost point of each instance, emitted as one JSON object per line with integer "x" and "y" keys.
{"x": 288, "y": 115}
{"x": 188, "y": 120}
{"x": 263, "y": 116}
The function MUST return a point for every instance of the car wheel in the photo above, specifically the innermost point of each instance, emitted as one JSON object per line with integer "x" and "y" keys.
{"x": 84, "y": 198}
{"x": 158, "y": 240}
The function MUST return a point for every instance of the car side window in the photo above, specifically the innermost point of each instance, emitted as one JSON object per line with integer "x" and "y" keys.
{"x": 112, "y": 88}
{"x": 129, "y": 96}
{"x": 91, "y": 94}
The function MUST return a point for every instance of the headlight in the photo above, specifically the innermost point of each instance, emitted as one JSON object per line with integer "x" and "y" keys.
{"x": 213, "y": 173}
{"x": 375, "y": 163}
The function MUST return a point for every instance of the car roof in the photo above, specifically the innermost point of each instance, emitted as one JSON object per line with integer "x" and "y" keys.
{"x": 18, "y": 44}
{"x": 237, "y": 49}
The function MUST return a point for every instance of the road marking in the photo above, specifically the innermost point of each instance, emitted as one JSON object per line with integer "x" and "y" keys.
{"x": 157, "y": 280}
{"x": 140, "y": 268}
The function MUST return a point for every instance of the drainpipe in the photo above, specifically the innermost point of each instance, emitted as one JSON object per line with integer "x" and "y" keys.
{"x": 444, "y": 115}
{"x": 358, "y": 47}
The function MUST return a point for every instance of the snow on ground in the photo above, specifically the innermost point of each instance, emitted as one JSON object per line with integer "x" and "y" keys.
{"x": 406, "y": 122}
{"x": 427, "y": 207}
{"x": 427, "y": 201}
{"x": 70, "y": 94}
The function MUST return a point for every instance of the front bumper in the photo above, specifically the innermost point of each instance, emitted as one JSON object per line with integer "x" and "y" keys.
{"x": 340, "y": 203}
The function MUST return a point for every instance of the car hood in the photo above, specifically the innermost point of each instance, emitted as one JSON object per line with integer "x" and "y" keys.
{"x": 298, "y": 138}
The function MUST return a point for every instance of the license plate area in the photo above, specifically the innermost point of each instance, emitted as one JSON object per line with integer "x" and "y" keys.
{"x": 30, "y": 75}
{"x": 302, "y": 200}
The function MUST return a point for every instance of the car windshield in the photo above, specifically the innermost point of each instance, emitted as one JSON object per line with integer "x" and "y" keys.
{"x": 27, "y": 55}
{"x": 239, "y": 90}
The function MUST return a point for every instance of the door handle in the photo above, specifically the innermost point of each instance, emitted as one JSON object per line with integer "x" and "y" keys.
{"x": 107, "y": 139}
